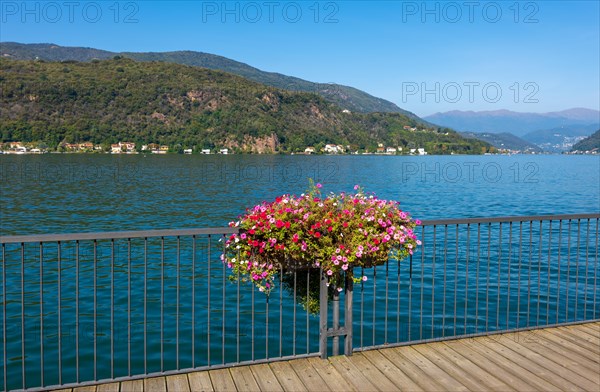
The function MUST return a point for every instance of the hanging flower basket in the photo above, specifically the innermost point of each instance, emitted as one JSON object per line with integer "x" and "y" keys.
{"x": 337, "y": 233}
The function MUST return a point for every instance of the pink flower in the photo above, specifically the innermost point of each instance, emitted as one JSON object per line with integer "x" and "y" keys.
{"x": 364, "y": 278}
{"x": 319, "y": 185}
{"x": 329, "y": 272}
{"x": 356, "y": 187}
{"x": 345, "y": 267}
{"x": 336, "y": 262}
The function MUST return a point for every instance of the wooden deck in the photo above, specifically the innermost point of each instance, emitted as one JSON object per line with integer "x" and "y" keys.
{"x": 553, "y": 359}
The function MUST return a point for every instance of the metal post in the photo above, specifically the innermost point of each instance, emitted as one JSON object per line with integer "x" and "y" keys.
{"x": 348, "y": 313}
{"x": 323, "y": 316}
{"x": 336, "y": 321}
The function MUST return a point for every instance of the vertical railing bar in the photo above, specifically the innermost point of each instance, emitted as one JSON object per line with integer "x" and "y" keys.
{"x": 294, "y": 313}
{"x": 374, "y": 302}
{"x": 398, "y": 305}
{"x": 559, "y": 268}
{"x": 422, "y": 284}
{"x": 4, "y": 355}
{"x": 162, "y": 303}
{"x": 252, "y": 323}
{"x": 307, "y": 312}
{"x": 596, "y": 268}
{"x": 577, "y": 266}
{"x": 539, "y": 278}
{"x": 59, "y": 312}
{"x": 568, "y": 272}
{"x": 223, "y": 283}
{"x": 467, "y": 277}
{"x": 499, "y": 277}
{"x": 433, "y": 282}
{"x": 549, "y": 278}
{"x": 208, "y": 301}
{"x": 41, "y": 313}
{"x": 23, "y": 357}
{"x": 77, "y": 311}
{"x": 455, "y": 279}
{"x": 529, "y": 272}
{"x": 519, "y": 273}
{"x": 362, "y": 302}
{"x": 146, "y": 306}
{"x": 510, "y": 230}
{"x": 112, "y": 308}
{"x": 281, "y": 312}
{"x": 477, "y": 278}
{"x": 95, "y": 271}
{"x": 237, "y": 310}
{"x": 385, "y": 325}
{"x": 487, "y": 287}
{"x": 129, "y": 307}
{"x": 193, "y": 337}
{"x": 587, "y": 243}
{"x": 177, "y": 291}
{"x": 267, "y": 329}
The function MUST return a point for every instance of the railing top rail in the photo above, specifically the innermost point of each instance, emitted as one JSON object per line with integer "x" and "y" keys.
{"x": 231, "y": 230}
{"x": 117, "y": 235}
{"x": 503, "y": 219}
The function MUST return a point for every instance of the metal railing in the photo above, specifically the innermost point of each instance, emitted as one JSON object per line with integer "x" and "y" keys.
{"x": 83, "y": 308}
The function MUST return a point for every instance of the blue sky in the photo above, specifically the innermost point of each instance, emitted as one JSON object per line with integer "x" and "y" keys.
{"x": 427, "y": 57}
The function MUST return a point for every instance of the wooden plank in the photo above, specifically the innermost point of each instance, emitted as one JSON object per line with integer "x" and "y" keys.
{"x": 460, "y": 368}
{"x": 200, "y": 382}
{"x": 221, "y": 380}
{"x": 309, "y": 377}
{"x": 132, "y": 386}
{"x": 243, "y": 379}
{"x": 561, "y": 370}
{"x": 370, "y": 371}
{"x": 587, "y": 329}
{"x": 330, "y": 375}
{"x": 412, "y": 370}
{"x": 486, "y": 364}
{"x": 524, "y": 362}
{"x": 432, "y": 370}
{"x": 593, "y": 326}
{"x": 89, "y": 388}
{"x": 563, "y": 358}
{"x": 178, "y": 383}
{"x": 112, "y": 387}
{"x": 155, "y": 384}
{"x": 584, "y": 333}
{"x": 568, "y": 354}
{"x": 532, "y": 378}
{"x": 265, "y": 378}
{"x": 393, "y": 373}
{"x": 286, "y": 376}
{"x": 351, "y": 373}
{"x": 560, "y": 339}
{"x": 574, "y": 339}
{"x": 580, "y": 339}
{"x": 63, "y": 390}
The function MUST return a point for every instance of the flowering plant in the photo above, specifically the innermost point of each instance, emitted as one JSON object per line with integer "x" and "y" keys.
{"x": 336, "y": 233}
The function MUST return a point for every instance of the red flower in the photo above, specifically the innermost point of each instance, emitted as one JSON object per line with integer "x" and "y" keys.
{"x": 317, "y": 234}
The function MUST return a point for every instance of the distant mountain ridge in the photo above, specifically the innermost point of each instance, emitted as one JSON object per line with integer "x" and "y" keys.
{"x": 517, "y": 123}
{"x": 345, "y": 97}
{"x": 504, "y": 141}
{"x": 589, "y": 143}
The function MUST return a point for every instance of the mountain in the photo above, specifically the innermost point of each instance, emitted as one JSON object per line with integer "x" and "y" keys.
{"x": 517, "y": 123}
{"x": 156, "y": 102}
{"x": 561, "y": 138}
{"x": 344, "y": 96}
{"x": 589, "y": 143}
{"x": 504, "y": 141}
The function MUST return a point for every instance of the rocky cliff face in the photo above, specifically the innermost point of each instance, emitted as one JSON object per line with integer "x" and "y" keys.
{"x": 255, "y": 145}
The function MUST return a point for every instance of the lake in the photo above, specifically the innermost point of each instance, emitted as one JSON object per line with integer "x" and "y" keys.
{"x": 64, "y": 193}
{"x": 175, "y": 308}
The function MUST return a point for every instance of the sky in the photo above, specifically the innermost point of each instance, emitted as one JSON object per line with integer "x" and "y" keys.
{"x": 425, "y": 56}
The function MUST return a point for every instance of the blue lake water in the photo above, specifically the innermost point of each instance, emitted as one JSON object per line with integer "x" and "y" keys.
{"x": 73, "y": 193}
{"x": 170, "y": 303}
